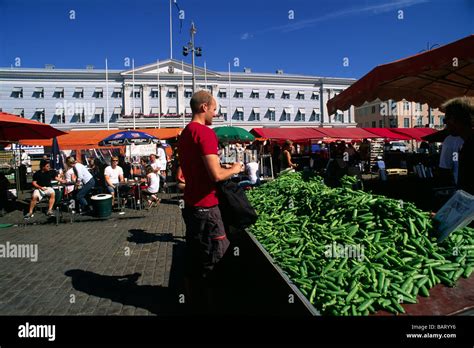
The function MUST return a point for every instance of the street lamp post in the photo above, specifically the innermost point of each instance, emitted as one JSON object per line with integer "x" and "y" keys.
{"x": 195, "y": 51}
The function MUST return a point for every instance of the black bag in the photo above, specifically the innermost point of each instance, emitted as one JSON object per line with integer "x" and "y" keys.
{"x": 235, "y": 208}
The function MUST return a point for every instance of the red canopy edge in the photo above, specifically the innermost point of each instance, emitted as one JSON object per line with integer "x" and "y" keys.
{"x": 89, "y": 139}
{"x": 387, "y": 133}
{"x": 282, "y": 134}
{"x": 414, "y": 133}
{"x": 395, "y": 80}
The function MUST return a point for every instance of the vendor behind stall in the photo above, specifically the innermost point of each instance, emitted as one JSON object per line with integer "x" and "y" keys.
{"x": 459, "y": 120}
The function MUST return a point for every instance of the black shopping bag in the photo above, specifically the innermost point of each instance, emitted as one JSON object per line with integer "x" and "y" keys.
{"x": 235, "y": 208}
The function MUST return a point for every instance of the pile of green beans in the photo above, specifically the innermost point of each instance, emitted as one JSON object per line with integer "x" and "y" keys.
{"x": 352, "y": 252}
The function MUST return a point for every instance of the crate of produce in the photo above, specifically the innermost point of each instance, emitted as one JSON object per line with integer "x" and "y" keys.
{"x": 354, "y": 253}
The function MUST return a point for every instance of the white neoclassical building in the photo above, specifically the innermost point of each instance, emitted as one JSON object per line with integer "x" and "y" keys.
{"x": 158, "y": 95}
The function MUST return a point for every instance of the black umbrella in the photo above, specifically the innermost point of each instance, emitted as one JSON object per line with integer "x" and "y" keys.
{"x": 56, "y": 158}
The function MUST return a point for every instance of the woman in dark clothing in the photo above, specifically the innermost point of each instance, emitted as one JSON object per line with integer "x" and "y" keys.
{"x": 285, "y": 157}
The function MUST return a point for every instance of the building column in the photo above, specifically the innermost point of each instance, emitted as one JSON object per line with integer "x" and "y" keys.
{"x": 163, "y": 104}
{"x": 180, "y": 108}
{"x": 127, "y": 102}
{"x": 145, "y": 100}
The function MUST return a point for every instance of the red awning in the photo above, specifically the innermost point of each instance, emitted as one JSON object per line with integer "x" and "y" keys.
{"x": 89, "y": 139}
{"x": 386, "y": 133}
{"x": 431, "y": 77}
{"x": 14, "y": 128}
{"x": 414, "y": 133}
{"x": 346, "y": 133}
{"x": 294, "y": 134}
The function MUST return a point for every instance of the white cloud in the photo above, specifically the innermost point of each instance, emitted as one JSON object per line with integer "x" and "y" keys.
{"x": 246, "y": 36}
{"x": 370, "y": 9}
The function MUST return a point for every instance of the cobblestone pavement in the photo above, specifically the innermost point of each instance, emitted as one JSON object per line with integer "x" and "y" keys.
{"x": 129, "y": 264}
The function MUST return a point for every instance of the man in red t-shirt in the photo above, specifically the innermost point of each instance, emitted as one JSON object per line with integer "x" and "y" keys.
{"x": 206, "y": 240}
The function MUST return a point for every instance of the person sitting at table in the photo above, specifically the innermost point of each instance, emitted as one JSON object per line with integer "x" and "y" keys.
{"x": 140, "y": 170}
{"x": 85, "y": 178}
{"x": 153, "y": 187}
{"x": 69, "y": 176}
{"x": 43, "y": 188}
{"x": 113, "y": 177}
{"x": 251, "y": 169}
{"x": 126, "y": 167}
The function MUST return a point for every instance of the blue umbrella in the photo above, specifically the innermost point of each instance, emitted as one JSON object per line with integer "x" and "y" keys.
{"x": 56, "y": 158}
{"x": 129, "y": 138}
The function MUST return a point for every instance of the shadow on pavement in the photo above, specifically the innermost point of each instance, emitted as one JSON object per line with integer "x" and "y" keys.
{"x": 123, "y": 289}
{"x": 139, "y": 236}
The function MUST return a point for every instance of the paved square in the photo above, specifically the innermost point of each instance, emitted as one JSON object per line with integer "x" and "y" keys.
{"x": 129, "y": 264}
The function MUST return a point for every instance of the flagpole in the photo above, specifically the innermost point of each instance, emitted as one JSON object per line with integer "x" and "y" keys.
{"x": 133, "y": 91}
{"x": 171, "y": 34}
{"x": 182, "y": 77}
{"x": 230, "y": 99}
{"x": 159, "y": 93}
{"x": 107, "y": 92}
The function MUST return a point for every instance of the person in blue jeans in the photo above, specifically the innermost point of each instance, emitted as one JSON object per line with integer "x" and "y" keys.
{"x": 85, "y": 178}
{"x": 251, "y": 169}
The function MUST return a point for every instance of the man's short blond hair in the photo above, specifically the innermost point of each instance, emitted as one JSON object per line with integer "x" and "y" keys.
{"x": 460, "y": 108}
{"x": 199, "y": 98}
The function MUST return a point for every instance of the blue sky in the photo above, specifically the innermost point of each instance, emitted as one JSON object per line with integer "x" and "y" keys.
{"x": 314, "y": 39}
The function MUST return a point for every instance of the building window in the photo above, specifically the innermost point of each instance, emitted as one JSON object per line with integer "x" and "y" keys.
{"x": 154, "y": 93}
{"x": 172, "y": 94}
{"x": 58, "y": 93}
{"x": 286, "y": 115}
{"x": 255, "y": 114}
{"x": 285, "y": 95}
{"x": 339, "y": 118}
{"x": 315, "y": 117}
{"x": 80, "y": 116}
{"x": 239, "y": 114}
{"x": 20, "y": 112}
{"x": 222, "y": 94}
{"x": 38, "y": 93}
{"x": 255, "y": 94}
{"x": 271, "y": 114}
{"x": 418, "y": 106}
{"x": 374, "y": 124}
{"x": 406, "y": 106}
{"x": 300, "y": 95}
{"x": 40, "y": 115}
{"x": 315, "y": 96}
{"x": 271, "y": 94}
{"x": 373, "y": 109}
{"x": 99, "y": 93}
{"x": 432, "y": 119}
{"x": 380, "y": 123}
{"x": 406, "y": 122}
{"x": 419, "y": 121}
{"x": 99, "y": 115}
{"x": 117, "y": 93}
{"x": 300, "y": 116}
{"x": 188, "y": 93}
{"x": 137, "y": 94}
{"x": 59, "y": 114}
{"x": 78, "y": 93}
{"x": 239, "y": 94}
{"x": 17, "y": 92}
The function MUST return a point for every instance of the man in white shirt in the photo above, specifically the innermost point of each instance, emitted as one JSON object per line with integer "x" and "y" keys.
{"x": 156, "y": 165}
{"x": 448, "y": 158}
{"x": 162, "y": 159}
{"x": 84, "y": 178}
{"x": 113, "y": 177}
{"x": 251, "y": 170}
